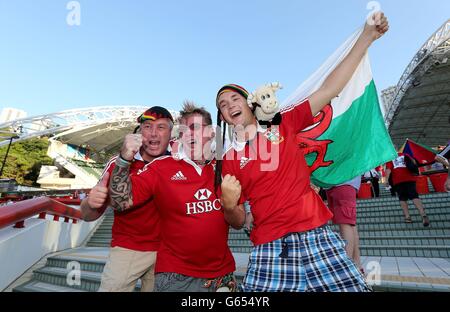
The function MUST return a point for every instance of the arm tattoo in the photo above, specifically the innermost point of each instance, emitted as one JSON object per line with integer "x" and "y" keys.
{"x": 120, "y": 189}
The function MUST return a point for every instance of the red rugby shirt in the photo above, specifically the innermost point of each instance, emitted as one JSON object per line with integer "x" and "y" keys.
{"x": 194, "y": 233}
{"x": 138, "y": 228}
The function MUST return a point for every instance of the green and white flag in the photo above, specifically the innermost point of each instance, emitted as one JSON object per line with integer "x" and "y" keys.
{"x": 349, "y": 137}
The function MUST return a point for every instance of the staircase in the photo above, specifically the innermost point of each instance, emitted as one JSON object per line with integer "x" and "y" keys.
{"x": 102, "y": 236}
{"x": 87, "y": 175}
{"x": 383, "y": 231}
{"x": 57, "y": 275}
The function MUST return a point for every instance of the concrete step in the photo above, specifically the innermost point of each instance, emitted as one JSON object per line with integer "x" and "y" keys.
{"x": 394, "y": 205}
{"x": 438, "y": 197}
{"x": 425, "y": 198}
{"x": 103, "y": 231}
{"x": 38, "y": 286}
{"x": 441, "y": 215}
{"x": 393, "y": 223}
{"x": 102, "y": 235}
{"x": 106, "y": 244}
{"x": 89, "y": 281}
{"x": 107, "y": 223}
{"x": 92, "y": 265}
{"x": 438, "y": 251}
{"x": 406, "y": 240}
{"x": 421, "y": 232}
{"x": 437, "y": 208}
{"x": 394, "y": 200}
{"x": 385, "y": 209}
{"x": 104, "y": 227}
{"x": 399, "y": 218}
{"x": 99, "y": 244}
{"x": 100, "y": 240}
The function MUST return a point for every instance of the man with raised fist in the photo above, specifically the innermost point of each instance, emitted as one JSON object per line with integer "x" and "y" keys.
{"x": 135, "y": 232}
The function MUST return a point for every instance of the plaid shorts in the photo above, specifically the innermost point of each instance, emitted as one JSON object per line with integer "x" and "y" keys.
{"x": 313, "y": 261}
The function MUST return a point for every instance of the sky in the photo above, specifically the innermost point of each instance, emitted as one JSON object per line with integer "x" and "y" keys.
{"x": 136, "y": 52}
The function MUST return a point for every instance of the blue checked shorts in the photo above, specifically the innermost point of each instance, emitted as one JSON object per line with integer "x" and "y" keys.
{"x": 315, "y": 261}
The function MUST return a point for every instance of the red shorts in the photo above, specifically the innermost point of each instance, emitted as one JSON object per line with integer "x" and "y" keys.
{"x": 342, "y": 203}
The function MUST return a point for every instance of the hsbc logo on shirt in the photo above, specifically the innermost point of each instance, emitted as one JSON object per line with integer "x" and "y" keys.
{"x": 203, "y": 204}
{"x": 202, "y": 194}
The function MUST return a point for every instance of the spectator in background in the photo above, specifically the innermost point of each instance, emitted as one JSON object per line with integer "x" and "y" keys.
{"x": 82, "y": 195}
{"x": 443, "y": 158}
{"x": 373, "y": 176}
{"x": 405, "y": 185}
{"x": 342, "y": 202}
{"x": 447, "y": 183}
{"x": 390, "y": 186}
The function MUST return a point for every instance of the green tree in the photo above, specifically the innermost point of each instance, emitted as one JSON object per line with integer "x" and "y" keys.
{"x": 25, "y": 159}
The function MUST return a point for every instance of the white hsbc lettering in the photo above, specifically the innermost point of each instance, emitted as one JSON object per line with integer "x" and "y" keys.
{"x": 203, "y": 206}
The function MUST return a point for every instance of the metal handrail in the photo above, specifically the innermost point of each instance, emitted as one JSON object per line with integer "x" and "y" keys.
{"x": 17, "y": 213}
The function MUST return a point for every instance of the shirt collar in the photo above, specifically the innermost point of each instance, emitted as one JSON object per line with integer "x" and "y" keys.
{"x": 181, "y": 155}
{"x": 239, "y": 146}
{"x": 138, "y": 156}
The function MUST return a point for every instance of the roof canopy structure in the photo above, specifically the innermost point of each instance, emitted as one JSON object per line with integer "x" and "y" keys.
{"x": 420, "y": 109}
{"x": 102, "y": 129}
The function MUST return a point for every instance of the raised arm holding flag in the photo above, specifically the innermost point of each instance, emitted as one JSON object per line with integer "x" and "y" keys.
{"x": 290, "y": 234}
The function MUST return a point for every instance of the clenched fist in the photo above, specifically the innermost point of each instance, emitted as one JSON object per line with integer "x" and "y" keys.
{"x": 231, "y": 192}
{"x": 131, "y": 146}
{"x": 376, "y": 26}
{"x": 99, "y": 194}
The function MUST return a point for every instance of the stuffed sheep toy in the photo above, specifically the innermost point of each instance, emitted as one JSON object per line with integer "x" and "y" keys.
{"x": 265, "y": 103}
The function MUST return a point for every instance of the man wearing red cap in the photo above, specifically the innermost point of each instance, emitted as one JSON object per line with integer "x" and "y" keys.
{"x": 294, "y": 249}
{"x": 135, "y": 233}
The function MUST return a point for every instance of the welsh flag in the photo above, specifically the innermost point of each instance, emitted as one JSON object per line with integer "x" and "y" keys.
{"x": 349, "y": 136}
{"x": 421, "y": 153}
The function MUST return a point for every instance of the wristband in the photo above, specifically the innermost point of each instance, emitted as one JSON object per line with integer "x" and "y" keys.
{"x": 123, "y": 158}
{"x": 123, "y": 163}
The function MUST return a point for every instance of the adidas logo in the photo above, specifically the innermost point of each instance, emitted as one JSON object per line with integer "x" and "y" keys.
{"x": 244, "y": 162}
{"x": 179, "y": 176}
